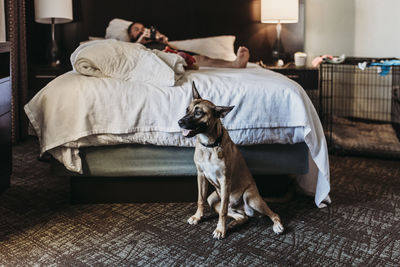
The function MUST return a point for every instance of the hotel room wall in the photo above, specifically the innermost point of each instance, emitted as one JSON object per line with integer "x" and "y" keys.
{"x": 329, "y": 27}
{"x": 377, "y": 24}
{"x": 362, "y": 28}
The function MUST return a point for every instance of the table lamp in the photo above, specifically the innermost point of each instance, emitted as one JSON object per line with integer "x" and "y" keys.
{"x": 53, "y": 12}
{"x": 279, "y": 11}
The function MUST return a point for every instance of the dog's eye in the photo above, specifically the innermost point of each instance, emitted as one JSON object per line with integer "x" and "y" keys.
{"x": 198, "y": 113}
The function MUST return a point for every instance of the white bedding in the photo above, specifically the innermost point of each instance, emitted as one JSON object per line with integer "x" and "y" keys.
{"x": 75, "y": 110}
{"x": 127, "y": 61}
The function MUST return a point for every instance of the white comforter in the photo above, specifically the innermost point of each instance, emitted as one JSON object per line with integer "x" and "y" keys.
{"x": 127, "y": 61}
{"x": 75, "y": 110}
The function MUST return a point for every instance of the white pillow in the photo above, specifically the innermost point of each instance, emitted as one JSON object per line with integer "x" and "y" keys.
{"x": 215, "y": 47}
{"x": 118, "y": 29}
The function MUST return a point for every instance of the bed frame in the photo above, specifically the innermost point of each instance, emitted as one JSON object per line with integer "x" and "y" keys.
{"x": 147, "y": 173}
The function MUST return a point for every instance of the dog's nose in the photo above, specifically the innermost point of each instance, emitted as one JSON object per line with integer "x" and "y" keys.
{"x": 181, "y": 123}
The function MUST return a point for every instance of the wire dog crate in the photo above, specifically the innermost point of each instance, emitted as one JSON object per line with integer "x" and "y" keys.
{"x": 359, "y": 106}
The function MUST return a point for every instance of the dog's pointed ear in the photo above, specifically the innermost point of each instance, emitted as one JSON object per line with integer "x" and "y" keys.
{"x": 221, "y": 112}
{"x": 196, "y": 94}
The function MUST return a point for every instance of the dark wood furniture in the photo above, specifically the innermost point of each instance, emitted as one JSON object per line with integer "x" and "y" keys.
{"x": 5, "y": 116}
{"x": 41, "y": 75}
{"x": 307, "y": 77}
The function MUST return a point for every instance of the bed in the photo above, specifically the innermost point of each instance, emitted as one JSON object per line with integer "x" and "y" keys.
{"x": 115, "y": 115}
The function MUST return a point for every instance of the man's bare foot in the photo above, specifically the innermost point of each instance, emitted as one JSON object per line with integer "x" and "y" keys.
{"x": 242, "y": 57}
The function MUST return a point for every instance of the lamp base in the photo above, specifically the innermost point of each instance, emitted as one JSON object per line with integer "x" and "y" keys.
{"x": 53, "y": 55}
{"x": 278, "y": 51}
{"x": 52, "y": 50}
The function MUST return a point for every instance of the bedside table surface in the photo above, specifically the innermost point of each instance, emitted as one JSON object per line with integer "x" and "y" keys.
{"x": 41, "y": 75}
{"x": 307, "y": 77}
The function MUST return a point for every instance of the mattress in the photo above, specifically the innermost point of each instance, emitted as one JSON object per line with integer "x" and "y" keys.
{"x": 150, "y": 160}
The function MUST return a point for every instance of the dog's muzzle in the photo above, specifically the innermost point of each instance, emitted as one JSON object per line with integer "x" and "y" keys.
{"x": 189, "y": 128}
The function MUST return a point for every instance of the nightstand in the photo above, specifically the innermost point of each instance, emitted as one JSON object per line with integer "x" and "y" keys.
{"x": 5, "y": 116}
{"x": 307, "y": 77}
{"x": 41, "y": 75}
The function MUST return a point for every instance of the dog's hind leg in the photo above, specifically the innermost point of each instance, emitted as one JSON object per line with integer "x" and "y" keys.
{"x": 239, "y": 217}
{"x": 214, "y": 201}
{"x": 253, "y": 199}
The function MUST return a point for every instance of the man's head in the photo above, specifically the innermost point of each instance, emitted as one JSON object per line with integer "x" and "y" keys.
{"x": 135, "y": 30}
{"x": 201, "y": 115}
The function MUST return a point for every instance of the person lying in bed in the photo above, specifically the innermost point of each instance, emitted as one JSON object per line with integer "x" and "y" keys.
{"x": 140, "y": 34}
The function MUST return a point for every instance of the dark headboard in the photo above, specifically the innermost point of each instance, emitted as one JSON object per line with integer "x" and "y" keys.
{"x": 178, "y": 19}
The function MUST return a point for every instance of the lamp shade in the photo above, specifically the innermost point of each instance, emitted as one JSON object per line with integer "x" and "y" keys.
{"x": 60, "y": 10}
{"x": 279, "y": 11}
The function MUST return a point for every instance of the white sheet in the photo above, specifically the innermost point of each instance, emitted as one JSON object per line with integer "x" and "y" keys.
{"x": 73, "y": 107}
{"x": 127, "y": 61}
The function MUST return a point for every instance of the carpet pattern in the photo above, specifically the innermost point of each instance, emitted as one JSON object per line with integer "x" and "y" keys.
{"x": 38, "y": 225}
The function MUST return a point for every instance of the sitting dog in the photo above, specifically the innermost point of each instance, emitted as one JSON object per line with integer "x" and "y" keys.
{"x": 219, "y": 161}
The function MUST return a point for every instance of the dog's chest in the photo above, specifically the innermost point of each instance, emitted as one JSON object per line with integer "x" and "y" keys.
{"x": 212, "y": 164}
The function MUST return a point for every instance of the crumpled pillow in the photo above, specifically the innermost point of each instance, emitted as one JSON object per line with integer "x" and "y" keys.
{"x": 221, "y": 47}
{"x": 118, "y": 29}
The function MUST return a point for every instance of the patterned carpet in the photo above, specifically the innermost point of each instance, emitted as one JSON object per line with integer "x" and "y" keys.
{"x": 38, "y": 225}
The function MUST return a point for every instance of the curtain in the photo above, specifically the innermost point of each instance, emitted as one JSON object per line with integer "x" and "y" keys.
{"x": 19, "y": 68}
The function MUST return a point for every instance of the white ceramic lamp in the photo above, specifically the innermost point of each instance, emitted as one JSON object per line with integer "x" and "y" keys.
{"x": 53, "y": 12}
{"x": 279, "y": 11}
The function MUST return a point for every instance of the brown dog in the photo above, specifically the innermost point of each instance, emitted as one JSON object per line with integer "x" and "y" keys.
{"x": 219, "y": 161}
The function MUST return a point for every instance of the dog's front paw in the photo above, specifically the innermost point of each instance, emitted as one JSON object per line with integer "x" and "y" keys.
{"x": 218, "y": 234}
{"x": 193, "y": 220}
{"x": 278, "y": 228}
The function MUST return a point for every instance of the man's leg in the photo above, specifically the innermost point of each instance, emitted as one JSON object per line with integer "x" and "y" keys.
{"x": 242, "y": 57}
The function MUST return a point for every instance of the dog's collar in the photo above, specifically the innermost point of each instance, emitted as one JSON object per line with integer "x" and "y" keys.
{"x": 216, "y": 143}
